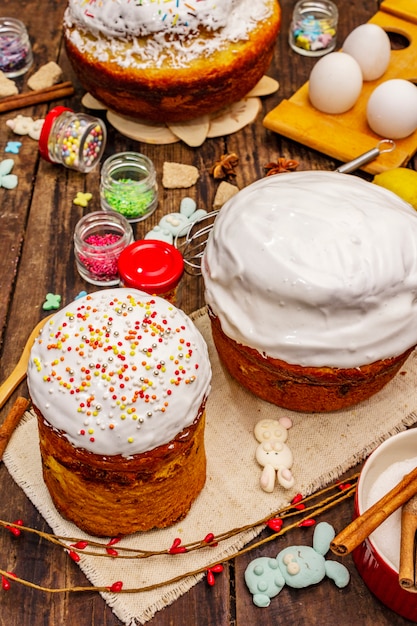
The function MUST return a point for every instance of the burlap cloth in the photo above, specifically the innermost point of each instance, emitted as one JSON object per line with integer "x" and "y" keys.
{"x": 324, "y": 446}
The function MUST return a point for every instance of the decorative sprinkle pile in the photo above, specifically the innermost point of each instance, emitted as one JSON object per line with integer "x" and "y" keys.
{"x": 117, "y": 362}
{"x": 101, "y": 264}
{"x": 80, "y": 145}
{"x": 313, "y": 34}
{"x": 130, "y": 198}
{"x": 15, "y": 50}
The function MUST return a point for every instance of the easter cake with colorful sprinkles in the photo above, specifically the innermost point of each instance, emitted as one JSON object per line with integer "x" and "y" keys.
{"x": 170, "y": 61}
{"x": 119, "y": 380}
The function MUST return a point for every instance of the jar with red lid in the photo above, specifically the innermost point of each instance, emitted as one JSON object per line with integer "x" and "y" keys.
{"x": 153, "y": 266}
{"x": 75, "y": 140}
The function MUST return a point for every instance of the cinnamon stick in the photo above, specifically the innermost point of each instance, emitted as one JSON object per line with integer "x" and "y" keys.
{"x": 407, "y": 569}
{"x": 10, "y": 423}
{"x": 353, "y": 535}
{"x": 21, "y": 100}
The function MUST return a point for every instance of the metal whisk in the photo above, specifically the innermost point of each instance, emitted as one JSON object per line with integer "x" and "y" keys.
{"x": 192, "y": 243}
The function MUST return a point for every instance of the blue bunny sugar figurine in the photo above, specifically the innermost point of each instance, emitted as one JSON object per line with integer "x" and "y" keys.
{"x": 296, "y": 566}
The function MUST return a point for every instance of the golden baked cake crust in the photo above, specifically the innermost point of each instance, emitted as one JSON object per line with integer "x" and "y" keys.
{"x": 117, "y": 496}
{"x": 298, "y": 388}
{"x": 172, "y": 94}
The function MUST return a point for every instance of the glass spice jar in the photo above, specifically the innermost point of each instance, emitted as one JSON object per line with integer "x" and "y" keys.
{"x": 15, "y": 50}
{"x": 128, "y": 185}
{"x": 75, "y": 140}
{"x": 153, "y": 266}
{"x": 99, "y": 239}
{"x": 314, "y": 27}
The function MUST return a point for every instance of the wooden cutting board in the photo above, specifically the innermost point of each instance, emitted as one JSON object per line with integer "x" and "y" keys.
{"x": 406, "y": 9}
{"x": 345, "y": 136}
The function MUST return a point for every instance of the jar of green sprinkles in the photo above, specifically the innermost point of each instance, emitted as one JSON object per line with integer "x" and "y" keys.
{"x": 128, "y": 186}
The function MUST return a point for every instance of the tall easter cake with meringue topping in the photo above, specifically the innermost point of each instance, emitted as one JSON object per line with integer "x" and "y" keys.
{"x": 170, "y": 61}
{"x": 119, "y": 381}
{"x": 311, "y": 283}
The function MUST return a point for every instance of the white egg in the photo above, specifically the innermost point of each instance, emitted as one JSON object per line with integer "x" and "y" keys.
{"x": 335, "y": 83}
{"x": 370, "y": 45}
{"x": 392, "y": 109}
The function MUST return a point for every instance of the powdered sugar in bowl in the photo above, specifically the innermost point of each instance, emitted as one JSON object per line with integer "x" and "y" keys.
{"x": 377, "y": 558}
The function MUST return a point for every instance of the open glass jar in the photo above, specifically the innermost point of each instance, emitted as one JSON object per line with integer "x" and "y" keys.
{"x": 313, "y": 28}
{"x": 99, "y": 239}
{"x": 75, "y": 140}
{"x": 128, "y": 186}
{"x": 15, "y": 50}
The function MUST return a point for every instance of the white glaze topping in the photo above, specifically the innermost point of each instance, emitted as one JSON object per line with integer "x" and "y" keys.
{"x": 174, "y": 26}
{"x": 315, "y": 268}
{"x": 119, "y": 372}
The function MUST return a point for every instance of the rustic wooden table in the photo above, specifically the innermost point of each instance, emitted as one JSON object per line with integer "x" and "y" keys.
{"x": 37, "y": 221}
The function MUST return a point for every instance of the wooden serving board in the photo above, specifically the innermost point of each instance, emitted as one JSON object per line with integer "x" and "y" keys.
{"x": 346, "y": 136}
{"x": 406, "y": 9}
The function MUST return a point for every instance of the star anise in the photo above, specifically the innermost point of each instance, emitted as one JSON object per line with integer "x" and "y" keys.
{"x": 282, "y": 165}
{"x": 225, "y": 167}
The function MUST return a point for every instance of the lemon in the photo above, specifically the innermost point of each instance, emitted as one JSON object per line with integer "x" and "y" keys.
{"x": 401, "y": 181}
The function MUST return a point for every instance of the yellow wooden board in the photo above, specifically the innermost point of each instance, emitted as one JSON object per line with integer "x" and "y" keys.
{"x": 345, "y": 136}
{"x": 406, "y": 9}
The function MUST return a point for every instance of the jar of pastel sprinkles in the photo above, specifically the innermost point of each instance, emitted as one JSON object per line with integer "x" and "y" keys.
{"x": 128, "y": 186}
{"x": 75, "y": 140}
{"x": 99, "y": 239}
{"x": 15, "y": 50}
{"x": 313, "y": 27}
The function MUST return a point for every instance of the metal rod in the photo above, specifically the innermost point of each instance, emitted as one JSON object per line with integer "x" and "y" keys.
{"x": 366, "y": 157}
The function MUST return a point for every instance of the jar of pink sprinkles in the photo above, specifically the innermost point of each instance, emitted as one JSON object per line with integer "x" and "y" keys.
{"x": 99, "y": 239}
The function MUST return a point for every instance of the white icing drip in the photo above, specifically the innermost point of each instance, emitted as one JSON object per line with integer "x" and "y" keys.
{"x": 315, "y": 268}
{"x": 128, "y": 402}
{"x": 171, "y": 30}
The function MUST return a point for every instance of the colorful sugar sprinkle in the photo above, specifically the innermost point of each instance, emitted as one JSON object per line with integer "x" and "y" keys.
{"x": 80, "y": 146}
{"x": 99, "y": 262}
{"x": 126, "y": 197}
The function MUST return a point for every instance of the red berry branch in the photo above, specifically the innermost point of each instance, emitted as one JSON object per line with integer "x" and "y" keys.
{"x": 279, "y": 523}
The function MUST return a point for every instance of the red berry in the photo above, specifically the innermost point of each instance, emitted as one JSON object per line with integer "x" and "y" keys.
{"x": 209, "y": 539}
{"x": 217, "y": 569}
{"x": 5, "y": 583}
{"x": 74, "y": 556}
{"x": 307, "y": 522}
{"x": 112, "y": 552}
{"x": 275, "y": 524}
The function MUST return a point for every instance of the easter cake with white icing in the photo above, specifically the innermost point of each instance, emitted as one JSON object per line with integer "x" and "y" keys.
{"x": 311, "y": 283}
{"x": 119, "y": 380}
{"x": 170, "y": 61}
